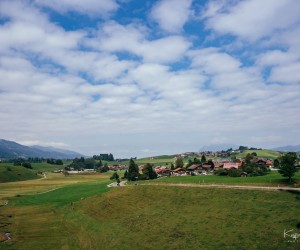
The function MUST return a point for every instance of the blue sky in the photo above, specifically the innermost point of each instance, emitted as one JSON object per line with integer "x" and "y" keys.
{"x": 141, "y": 78}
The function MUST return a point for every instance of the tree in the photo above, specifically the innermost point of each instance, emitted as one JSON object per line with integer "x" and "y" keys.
{"x": 190, "y": 163}
{"x": 287, "y": 166}
{"x": 179, "y": 163}
{"x": 196, "y": 161}
{"x": 242, "y": 148}
{"x": 133, "y": 171}
{"x": 249, "y": 157}
{"x": 27, "y": 165}
{"x": 59, "y": 162}
{"x": 104, "y": 169}
{"x": 234, "y": 172}
{"x": 211, "y": 163}
{"x": 276, "y": 163}
{"x": 125, "y": 174}
{"x": 203, "y": 159}
{"x": 114, "y": 176}
{"x": 172, "y": 166}
{"x": 148, "y": 172}
{"x": 90, "y": 163}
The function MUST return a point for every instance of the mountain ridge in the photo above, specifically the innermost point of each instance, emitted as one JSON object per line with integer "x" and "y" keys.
{"x": 288, "y": 148}
{"x": 11, "y": 149}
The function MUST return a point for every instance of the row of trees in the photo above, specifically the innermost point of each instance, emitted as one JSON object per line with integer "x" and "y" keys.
{"x": 104, "y": 157}
{"x": 55, "y": 162}
{"x": 90, "y": 163}
{"x": 133, "y": 173}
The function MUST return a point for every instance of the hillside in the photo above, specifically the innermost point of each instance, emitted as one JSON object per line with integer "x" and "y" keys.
{"x": 264, "y": 153}
{"x": 11, "y": 149}
{"x": 170, "y": 218}
{"x": 10, "y": 173}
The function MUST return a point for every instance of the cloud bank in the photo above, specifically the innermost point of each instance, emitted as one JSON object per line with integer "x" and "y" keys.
{"x": 185, "y": 75}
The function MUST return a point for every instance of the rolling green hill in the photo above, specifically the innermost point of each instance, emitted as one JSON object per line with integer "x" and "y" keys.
{"x": 9, "y": 173}
{"x": 93, "y": 217}
{"x": 264, "y": 153}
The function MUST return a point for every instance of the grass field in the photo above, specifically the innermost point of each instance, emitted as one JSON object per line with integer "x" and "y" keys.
{"x": 89, "y": 216}
{"x": 271, "y": 179}
{"x": 9, "y": 173}
{"x": 265, "y": 153}
{"x": 81, "y": 212}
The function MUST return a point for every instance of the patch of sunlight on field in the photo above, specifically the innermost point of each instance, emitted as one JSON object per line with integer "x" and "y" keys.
{"x": 52, "y": 181}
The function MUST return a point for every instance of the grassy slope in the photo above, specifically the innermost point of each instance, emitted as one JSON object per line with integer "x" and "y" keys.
{"x": 17, "y": 173}
{"x": 271, "y": 179}
{"x": 261, "y": 153}
{"x": 142, "y": 217}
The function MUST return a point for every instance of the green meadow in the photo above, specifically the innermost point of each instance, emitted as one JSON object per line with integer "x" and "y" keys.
{"x": 273, "y": 178}
{"x": 264, "y": 153}
{"x": 92, "y": 216}
{"x": 81, "y": 212}
{"x": 9, "y": 173}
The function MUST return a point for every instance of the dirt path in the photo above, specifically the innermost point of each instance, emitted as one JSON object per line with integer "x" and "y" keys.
{"x": 114, "y": 184}
{"x": 220, "y": 186}
{"x": 48, "y": 191}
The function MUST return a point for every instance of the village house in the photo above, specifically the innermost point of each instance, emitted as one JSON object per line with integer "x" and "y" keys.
{"x": 264, "y": 162}
{"x": 206, "y": 168}
{"x": 229, "y": 165}
{"x": 179, "y": 171}
{"x": 195, "y": 169}
{"x": 162, "y": 171}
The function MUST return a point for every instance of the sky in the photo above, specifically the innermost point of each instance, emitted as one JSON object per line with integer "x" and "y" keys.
{"x": 142, "y": 78}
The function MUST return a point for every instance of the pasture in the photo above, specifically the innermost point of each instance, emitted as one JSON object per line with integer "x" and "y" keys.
{"x": 264, "y": 153}
{"x": 9, "y": 173}
{"x": 91, "y": 216}
{"x": 273, "y": 178}
{"x": 81, "y": 212}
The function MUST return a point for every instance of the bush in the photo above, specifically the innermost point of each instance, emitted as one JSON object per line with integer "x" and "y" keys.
{"x": 115, "y": 176}
{"x": 8, "y": 169}
{"x": 27, "y": 165}
{"x": 221, "y": 172}
{"x": 235, "y": 172}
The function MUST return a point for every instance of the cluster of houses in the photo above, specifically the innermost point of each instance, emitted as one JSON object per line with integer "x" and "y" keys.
{"x": 118, "y": 167}
{"x": 221, "y": 153}
{"x": 204, "y": 169}
{"x": 195, "y": 169}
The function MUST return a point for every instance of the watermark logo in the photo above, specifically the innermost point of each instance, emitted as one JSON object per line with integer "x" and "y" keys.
{"x": 291, "y": 236}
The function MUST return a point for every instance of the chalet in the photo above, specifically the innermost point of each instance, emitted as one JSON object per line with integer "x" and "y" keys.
{"x": 206, "y": 167}
{"x": 264, "y": 162}
{"x": 229, "y": 165}
{"x": 179, "y": 171}
{"x": 194, "y": 169}
{"x": 218, "y": 165}
{"x": 162, "y": 171}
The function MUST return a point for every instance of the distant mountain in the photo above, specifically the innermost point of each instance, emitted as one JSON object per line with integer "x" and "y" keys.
{"x": 11, "y": 149}
{"x": 218, "y": 147}
{"x": 289, "y": 148}
{"x": 68, "y": 153}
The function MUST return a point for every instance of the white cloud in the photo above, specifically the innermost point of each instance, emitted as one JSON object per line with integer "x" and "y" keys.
{"x": 253, "y": 19}
{"x": 276, "y": 57}
{"x": 171, "y": 15}
{"x": 120, "y": 83}
{"x": 212, "y": 61}
{"x": 89, "y": 7}
{"x": 114, "y": 37}
{"x": 289, "y": 73}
